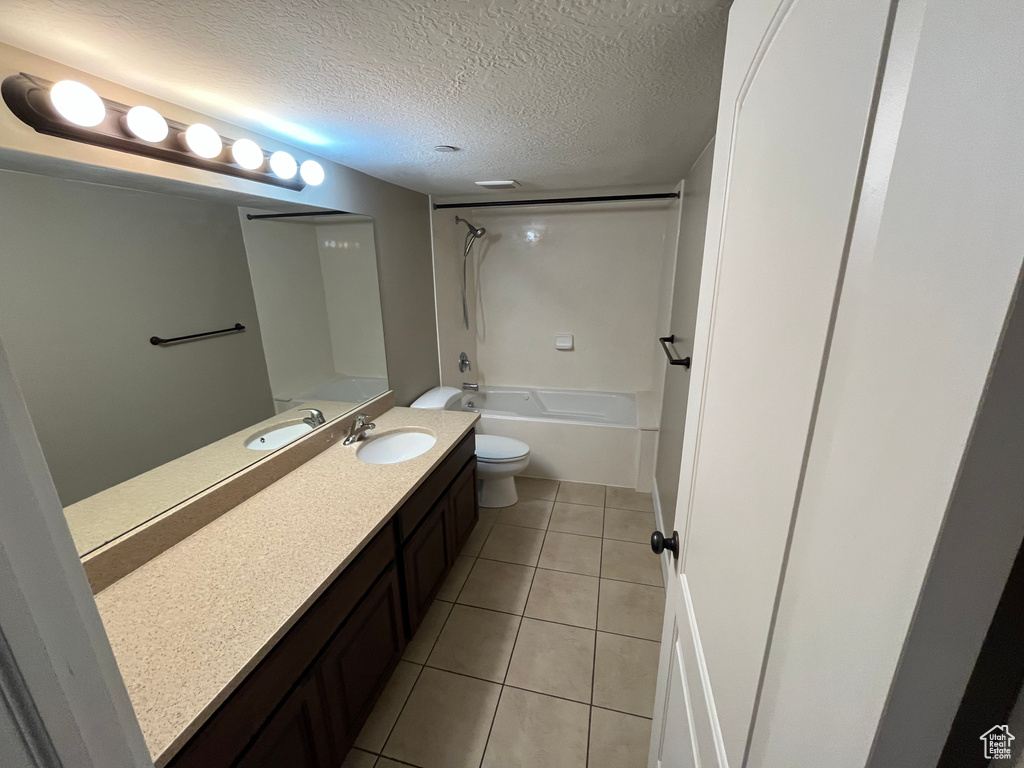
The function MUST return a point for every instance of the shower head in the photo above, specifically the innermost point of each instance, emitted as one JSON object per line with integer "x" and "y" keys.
{"x": 476, "y": 232}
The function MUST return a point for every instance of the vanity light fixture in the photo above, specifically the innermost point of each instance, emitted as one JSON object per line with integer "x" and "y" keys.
{"x": 247, "y": 153}
{"x": 283, "y": 164}
{"x": 146, "y": 123}
{"x": 312, "y": 173}
{"x": 77, "y": 103}
{"x": 203, "y": 140}
{"x": 68, "y": 109}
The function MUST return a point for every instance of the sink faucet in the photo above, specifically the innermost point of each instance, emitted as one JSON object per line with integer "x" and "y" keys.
{"x": 315, "y": 418}
{"x": 359, "y": 428}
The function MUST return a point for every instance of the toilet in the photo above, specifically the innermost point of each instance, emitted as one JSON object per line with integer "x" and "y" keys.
{"x": 498, "y": 459}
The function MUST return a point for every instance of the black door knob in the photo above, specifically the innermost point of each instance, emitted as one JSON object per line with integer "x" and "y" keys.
{"x": 659, "y": 543}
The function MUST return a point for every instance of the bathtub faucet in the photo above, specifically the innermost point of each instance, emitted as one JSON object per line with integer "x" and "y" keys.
{"x": 464, "y": 363}
{"x": 470, "y": 387}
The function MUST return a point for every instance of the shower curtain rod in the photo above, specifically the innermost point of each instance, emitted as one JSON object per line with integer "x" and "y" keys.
{"x": 557, "y": 200}
{"x": 254, "y": 216}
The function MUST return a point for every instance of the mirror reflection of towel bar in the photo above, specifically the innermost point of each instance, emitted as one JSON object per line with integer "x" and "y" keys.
{"x": 157, "y": 341}
{"x": 665, "y": 341}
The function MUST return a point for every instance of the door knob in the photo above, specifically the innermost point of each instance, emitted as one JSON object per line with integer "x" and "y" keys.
{"x": 659, "y": 543}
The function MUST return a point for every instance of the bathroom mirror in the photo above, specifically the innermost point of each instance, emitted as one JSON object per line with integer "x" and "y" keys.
{"x": 99, "y": 283}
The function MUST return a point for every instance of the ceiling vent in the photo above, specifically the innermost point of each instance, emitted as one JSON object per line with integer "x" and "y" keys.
{"x": 510, "y": 184}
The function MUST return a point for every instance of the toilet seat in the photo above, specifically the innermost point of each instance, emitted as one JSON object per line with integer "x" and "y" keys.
{"x": 495, "y": 449}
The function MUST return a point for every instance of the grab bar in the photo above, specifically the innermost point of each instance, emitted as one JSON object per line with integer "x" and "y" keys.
{"x": 157, "y": 341}
{"x": 665, "y": 341}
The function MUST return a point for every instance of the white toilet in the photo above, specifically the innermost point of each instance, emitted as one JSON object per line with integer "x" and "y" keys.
{"x": 498, "y": 459}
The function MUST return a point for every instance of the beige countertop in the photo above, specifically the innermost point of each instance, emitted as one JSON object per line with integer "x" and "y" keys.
{"x": 104, "y": 516}
{"x": 189, "y": 625}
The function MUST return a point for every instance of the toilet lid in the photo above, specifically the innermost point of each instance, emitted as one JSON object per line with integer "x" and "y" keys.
{"x": 495, "y": 448}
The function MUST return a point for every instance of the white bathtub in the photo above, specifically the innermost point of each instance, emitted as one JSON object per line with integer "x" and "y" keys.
{"x": 588, "y": 437}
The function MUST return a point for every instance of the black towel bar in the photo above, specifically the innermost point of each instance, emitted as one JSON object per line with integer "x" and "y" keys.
{"x": 665, "y": 341}
{"x": 157, "y": 341}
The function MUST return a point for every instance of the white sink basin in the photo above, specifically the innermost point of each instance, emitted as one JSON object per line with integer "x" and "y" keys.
{"x": 395, "y": 447}
{"x": 274, "y": 438}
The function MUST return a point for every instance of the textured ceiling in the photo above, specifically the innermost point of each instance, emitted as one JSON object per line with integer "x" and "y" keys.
{"x": 558, "y": 94}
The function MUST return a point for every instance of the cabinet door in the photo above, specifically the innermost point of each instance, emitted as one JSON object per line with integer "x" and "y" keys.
{"x": 463, "y": 511}
{"x": 296, "y": 735}
{"x": 356, "y": 663}
{"x": 425, "y": 561}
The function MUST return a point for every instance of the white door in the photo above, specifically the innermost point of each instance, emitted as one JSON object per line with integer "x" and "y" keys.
{"x": 797, "y": 92}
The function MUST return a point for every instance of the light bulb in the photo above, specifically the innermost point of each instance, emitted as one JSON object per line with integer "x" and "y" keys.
{"x": 146, "y": 123}
{"x": 77, "y": 103}
{"x": 247, "y": 153}
{"x": 312, "y": 173}
{"x": 204, "y": 141}
{"x": 283, "y": 165}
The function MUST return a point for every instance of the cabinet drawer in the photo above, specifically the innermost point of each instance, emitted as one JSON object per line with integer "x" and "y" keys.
{"x": 463, "y": 510}
{"x": 425, "y": 562}
{"x": 296, "y": 735}
{"x": 356, "y": 663}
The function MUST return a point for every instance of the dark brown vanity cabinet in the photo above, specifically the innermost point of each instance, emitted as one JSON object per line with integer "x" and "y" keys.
{"x": 304, "y": 704}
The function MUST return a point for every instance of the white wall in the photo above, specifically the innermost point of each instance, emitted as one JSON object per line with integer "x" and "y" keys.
{"x": 289, "y": 288}
{"x": 685, "y": 288}
{"x": 589, "y": 270}
{"x": 348, "y": 263}
{"x": 87, "y": 274}
{"x": 401, "y": 215}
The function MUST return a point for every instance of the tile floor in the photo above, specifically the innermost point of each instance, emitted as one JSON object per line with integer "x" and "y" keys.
{"x": 541, "y": 649}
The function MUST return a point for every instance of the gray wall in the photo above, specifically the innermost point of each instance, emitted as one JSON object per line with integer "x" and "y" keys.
{"x": 692, "y": 226}
{"x": 87, "y": 274}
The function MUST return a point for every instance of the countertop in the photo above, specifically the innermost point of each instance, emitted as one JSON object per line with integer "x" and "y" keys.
{"x": 102, "y": 517}
{"x": 188, "y": 626}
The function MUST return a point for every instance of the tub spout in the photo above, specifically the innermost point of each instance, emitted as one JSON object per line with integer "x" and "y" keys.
{"x": 470, "y": 387}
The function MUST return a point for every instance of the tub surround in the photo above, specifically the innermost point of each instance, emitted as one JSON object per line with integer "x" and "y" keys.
{"x": 188, "y": 626}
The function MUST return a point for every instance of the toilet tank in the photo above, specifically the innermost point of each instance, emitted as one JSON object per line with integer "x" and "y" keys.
{"x": 439, "y": 399}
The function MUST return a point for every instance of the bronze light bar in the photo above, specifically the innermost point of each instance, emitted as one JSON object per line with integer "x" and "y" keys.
{"x": 27, "y": 96}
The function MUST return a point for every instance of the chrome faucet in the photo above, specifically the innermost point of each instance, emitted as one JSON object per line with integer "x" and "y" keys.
{"x": 464, "y": 363}
{"x": 470, "y": 387}
{"x": 359, "y": 428}
{"x": 315, "y": 418}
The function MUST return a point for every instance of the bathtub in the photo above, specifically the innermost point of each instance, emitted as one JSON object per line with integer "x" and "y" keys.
{"x": 588, "y": 437}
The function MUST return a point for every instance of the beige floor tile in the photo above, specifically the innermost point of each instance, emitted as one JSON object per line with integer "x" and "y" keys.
{"x": 535, "y": 731}
{"x": 512, "y": 544}
{"x": 575, "y": 554}
{"x": 476, "y": 642}
{"x": 576, "y": 518}
{"x": 631, "y": 609}
{"x": 581, "y": 493}
{"x": 627, "y": 498}
{"x": 627, "y": 525}
{"x": 445, "y": 721}
{"x": 554, "y": 659}
{"x": 529, "y": 513}
{"x": 456, "y": 578}
{"x": 536, "y": 488}
{"x": 389, "y": 705}
{"x": 625, "y": 674}
{"x": 627, "y": 561}
{"x": 386, "y": 763}
{"x": 357, "y": 758}
{"x": 419, "y": 647}
{"x": 618, "y": 740}
{"x": 498, "y": 586}
{"x": 568, "y": 598}
{"x": 488, "y": 515}
{"x": 476, "y": 539}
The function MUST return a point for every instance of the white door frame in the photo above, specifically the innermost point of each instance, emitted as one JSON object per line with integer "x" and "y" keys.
{"x": 62, "y": 661}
